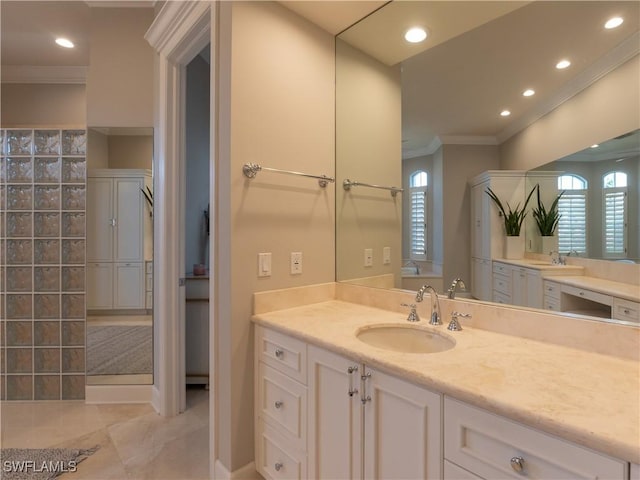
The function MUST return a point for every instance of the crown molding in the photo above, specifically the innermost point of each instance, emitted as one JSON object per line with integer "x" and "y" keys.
{"x": 121, "y": 4}
{"x": 469, "y": 140}
{"x": 624, "y": 52}
{"x": 44, "y": 74}
{"x": 173, "y": 22}
{"x": 430, "y": 149}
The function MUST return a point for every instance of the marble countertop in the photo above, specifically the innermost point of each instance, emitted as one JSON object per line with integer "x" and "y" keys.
{"x": 587, "y": 398}
{"x": 600, "y": 285}
{"x": 544, "y": 267}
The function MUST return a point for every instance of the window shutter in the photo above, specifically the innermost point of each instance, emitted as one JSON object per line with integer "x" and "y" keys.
{"x": 614, "y": 221}
{"x": 572, "y": 226}
{"x": 418, "y": 224}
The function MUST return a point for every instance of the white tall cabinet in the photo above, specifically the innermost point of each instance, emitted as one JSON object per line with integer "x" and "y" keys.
{"x": 487, "y": 227}
{"x": 119, "y": 238}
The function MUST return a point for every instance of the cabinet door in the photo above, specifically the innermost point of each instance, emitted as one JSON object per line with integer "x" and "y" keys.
{"x": 99, "y": 219}
{"x": 534, "y": 289}
{"x": 128, "y": 285}
{"x": 519, "y": 286}
{"x": 481, "y": 246}
{"x": 335, "y": 416}
{"x": 402, "y": 429}
{"x": 129, "y": 227}
{"x": 99, "y": 286}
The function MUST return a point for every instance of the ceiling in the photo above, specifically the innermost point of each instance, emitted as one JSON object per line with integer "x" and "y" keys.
{"x": 477, "y": 60}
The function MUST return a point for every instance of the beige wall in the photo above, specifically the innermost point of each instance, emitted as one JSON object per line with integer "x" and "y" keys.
{"x": 120, "y": 78}
{"x": 606, "y": 109}
{"x": 368, "y": 149}
{"x": 276, "y": 102}
{"x": 97, "y": 150}
{"x": 460, "y": 163}
{"x": 130, "y": 151}
{"x": 36, "y": 105}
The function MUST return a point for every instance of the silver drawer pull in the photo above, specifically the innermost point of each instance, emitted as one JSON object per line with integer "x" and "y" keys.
{"x": 353, "y": 391}
{"x": 279, "y": 353}
{"x": 350, "y": 370}
{"x": 582, "y": 294}
{"x": 279, "y": 404}
{"x": 627, "y": 311}
{"x": 366, "y": 399}
{"x": 517, "y": 463}
{"x": 278, "y": 466}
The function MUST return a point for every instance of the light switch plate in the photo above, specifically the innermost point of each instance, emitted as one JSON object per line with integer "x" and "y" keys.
{"x": 264, "y": 264}
{"x": 296, "y": 263}
{"x": 368, "y": 257}
{"x": 386, "y": 255}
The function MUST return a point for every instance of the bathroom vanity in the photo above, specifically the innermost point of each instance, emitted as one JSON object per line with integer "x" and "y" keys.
{"x": 329, "y": 405}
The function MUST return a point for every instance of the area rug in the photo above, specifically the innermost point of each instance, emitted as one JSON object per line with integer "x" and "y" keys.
{"x": 119, "y": 350}
{"x": 40, "y": 464}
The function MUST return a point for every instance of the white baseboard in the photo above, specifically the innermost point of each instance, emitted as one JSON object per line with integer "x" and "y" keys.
{"x": 248, "y": 472}
{"x": 155, "y": 398}
{"x": 118, "y": 394}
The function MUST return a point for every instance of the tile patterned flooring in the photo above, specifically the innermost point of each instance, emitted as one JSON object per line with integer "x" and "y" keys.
{"x": 135, "y": 442}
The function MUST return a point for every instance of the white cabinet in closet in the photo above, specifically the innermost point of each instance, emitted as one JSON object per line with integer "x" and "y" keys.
{"x": 119, "y": 238}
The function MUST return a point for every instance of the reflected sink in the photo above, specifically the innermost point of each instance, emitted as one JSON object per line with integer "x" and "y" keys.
{"x": 404, "y": 338}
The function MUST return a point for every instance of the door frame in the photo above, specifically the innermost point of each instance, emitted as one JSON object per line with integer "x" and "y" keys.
{"x": 179, "y": 32}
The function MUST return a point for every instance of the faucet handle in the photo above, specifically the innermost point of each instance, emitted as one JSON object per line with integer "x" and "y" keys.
{"x": 454, "y": 325}
{"x": 413, "y": 314}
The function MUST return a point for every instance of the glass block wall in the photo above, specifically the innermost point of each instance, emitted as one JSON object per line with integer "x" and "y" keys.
{"x": 42, "y": 267}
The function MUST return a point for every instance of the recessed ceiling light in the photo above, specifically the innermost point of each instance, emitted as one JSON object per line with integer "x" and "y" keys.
{"x": 562, "y": 64}
{"x": 63, "y": 42}
{"x": 595, "y": 145}
{"x": 415, "y": 35}
{"x": 505, "y": 113}
{"x": 613, "y": 22}
{"x": 528, "y": 92}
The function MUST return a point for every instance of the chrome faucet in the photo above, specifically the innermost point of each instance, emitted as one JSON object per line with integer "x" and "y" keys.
{"x": 557, "y": 258}
{"x": 411, "y": 263}
{"x": 452, "y": 289}
{"x": 435, "y": 303}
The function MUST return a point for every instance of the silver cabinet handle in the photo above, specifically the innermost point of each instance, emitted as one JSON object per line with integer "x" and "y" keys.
{"x": 353, "y": 391}
{"x": 626, "y": 310}
{"x": 517, "y": 463}
{"x": 350, "y": 370}
{"x": 366, "y": 399}
{"x": 278, "y": 466}
{"x": 365, "y": 376}
{"x": 279, "y": 353}
{"x": 279, "y": 404}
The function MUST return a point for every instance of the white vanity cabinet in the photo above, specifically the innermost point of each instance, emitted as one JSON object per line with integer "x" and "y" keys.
{"x": 487, "y": 228}
{"x": 482, "y": 444}
{"x": 339, "y": 417}
{"x": 517, "y": 285}
{"x": 119, "y": 238}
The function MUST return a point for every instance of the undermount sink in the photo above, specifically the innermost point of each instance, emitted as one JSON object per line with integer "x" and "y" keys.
{"x": 404, "y": 338}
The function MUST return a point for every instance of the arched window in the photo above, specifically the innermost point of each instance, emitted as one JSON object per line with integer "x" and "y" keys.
{"x": 418, "y": 193}
{"x": 614, "y": 206}
{"x": 572, "y": 207}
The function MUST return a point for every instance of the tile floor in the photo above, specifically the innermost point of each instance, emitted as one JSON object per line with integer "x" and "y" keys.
{"x": 135, "y": 442}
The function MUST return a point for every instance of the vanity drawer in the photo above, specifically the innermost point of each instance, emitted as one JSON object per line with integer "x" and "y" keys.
{"x": 626, "y": 310}
{"x": 502, "y": 284}
{"x": 286, "y": 354}
{"x": 552, "y": 289}
{"x": 501, "y": 268}
{"x": 500, "y": 297}
{"x": 493, "y": 447}
{"x": 588, "y": 294}
{"x": 454, "y": 472}
{"x": 277, "y": 458}
{"x": 551, "y": 303}
{"x": 283, "y": 402}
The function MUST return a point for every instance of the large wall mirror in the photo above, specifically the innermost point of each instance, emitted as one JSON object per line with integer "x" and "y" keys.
{"x": 119, "y": 256}
{"x": 427, "y": 118}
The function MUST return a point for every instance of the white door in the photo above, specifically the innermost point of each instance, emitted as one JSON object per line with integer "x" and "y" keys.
{"x": 129, "y": 220}
{"x": 99, "y": 219}
{"x": 402, "y": 429}
{"x": 128, "y": 285}
{"x": 99, "y": 286}
{"x": 335, "y": 416}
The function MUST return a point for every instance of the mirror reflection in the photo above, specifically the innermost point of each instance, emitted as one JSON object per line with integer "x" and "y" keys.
{"x": 431, "y": 117}
{"x": 119, "y": 256}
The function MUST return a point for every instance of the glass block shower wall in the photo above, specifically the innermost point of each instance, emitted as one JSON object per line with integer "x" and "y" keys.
{"x": 42, "y": 267}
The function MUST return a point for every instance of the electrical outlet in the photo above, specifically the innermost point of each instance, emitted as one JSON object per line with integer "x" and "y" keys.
{"x": 368, "y": 257}
{"x": 386, "y": 255}
{"x": 264, "y": 264}
{"x": 296, "y": 263}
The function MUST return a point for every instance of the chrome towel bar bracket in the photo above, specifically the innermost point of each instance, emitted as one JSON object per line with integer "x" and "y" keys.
{"x": 347, "y": 184}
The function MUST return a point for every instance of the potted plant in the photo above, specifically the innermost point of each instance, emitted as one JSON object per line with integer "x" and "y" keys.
{"x": 513, "y": 218}
{"x": 547, "y": 221}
